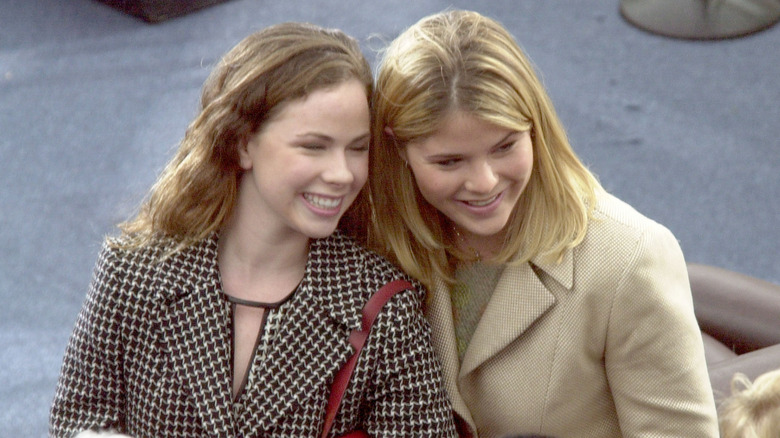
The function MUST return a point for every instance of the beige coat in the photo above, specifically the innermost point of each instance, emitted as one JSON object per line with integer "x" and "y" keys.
{"x": 604, "y": 344}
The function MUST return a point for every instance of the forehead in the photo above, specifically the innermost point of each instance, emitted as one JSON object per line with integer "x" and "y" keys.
{"x": 338, "y": 113}
{"x": 461, "y": 132}
{"x": 325, "y": 103}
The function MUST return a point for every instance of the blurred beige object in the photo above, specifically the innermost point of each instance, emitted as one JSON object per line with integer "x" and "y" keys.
{"x": 701, "y": 19}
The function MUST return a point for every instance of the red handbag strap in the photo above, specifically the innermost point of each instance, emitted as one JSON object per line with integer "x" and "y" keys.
{"x": 357, "y": 339}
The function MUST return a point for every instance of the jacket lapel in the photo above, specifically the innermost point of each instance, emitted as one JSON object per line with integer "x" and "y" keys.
{"x": 439, "y": 314}
{"x": 520, "y": 298}
{"x": 309, "y": 343}
{"x": 194, "y": 321}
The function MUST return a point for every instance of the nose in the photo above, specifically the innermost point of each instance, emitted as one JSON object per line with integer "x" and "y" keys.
{"x": 337, "y": 169}
{"x": 481, "y": 178}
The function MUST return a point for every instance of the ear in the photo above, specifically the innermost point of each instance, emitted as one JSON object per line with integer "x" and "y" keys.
{"x": 244, "y": 158}
{"x": 402, "y": 153}
{"x": 389, "y": 131}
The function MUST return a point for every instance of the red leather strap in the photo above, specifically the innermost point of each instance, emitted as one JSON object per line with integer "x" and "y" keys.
{"x": 357, "y": 339}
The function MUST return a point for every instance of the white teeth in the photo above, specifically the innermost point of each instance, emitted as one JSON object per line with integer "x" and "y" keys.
{"x": 322, "y": 202}
{"x": 482, "y": 203}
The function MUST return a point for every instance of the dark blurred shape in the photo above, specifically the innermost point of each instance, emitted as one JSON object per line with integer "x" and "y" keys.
{"x": 154, "y": 11}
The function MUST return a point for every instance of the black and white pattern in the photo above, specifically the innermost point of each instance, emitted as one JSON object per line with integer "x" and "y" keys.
{"x": 151, "y": 354}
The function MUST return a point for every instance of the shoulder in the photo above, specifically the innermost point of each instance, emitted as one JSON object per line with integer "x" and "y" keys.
{"x": 140, "y": 275}
{"x": 614, "y": 217}
{"x": 617, "y": 231}
{"x": 356, "y": 258}
{"x": 120, "y": 279}
{"x": 620, "y": 242}
{"x": 359, "y": 271}
{"x": 116, "y": 253}
{"x": 139, "y": 269}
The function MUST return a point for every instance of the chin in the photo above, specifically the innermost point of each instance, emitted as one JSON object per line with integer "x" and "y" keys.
{"x": 487, "y": 230}
{"x": 321, "y": 233}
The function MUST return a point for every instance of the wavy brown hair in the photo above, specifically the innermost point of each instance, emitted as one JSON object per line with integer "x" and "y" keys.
{"x": 196, "y": 192}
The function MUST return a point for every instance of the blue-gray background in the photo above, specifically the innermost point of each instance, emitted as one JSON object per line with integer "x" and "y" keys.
{"x": 92, "y": 102}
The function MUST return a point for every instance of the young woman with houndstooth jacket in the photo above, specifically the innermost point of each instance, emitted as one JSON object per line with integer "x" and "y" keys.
{"x": 224, "y": 308}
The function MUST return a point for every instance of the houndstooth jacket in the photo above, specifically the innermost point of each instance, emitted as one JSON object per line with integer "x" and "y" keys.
{"x": 150, "y": 354}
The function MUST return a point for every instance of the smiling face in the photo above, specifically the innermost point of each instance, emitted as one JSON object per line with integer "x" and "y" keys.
{"x": 307, "y": 164}
{"x": 473, "y": 172}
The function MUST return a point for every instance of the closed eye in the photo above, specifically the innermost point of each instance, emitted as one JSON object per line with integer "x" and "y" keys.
{"x": 359, "y": 147}
{"x": 506, "y": 147}
{"x": 446, "y": 162}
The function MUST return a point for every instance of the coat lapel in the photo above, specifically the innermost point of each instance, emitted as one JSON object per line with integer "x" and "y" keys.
{"x": 194, "y": 321}
{"x": 309, "y": 342}
{"x": 439, "y": 314}
{"x": 520, "y": 298}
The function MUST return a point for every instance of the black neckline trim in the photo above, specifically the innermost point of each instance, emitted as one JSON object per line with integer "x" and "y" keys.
{"x": 260, "y": 304}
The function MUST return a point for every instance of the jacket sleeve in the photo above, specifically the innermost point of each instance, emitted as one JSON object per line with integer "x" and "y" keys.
{"x": 89, "y": 392}
{"x": 654, "y": 355}
{"x": 409, "y": 399}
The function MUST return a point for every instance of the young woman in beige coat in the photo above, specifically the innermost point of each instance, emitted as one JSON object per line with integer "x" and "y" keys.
{"x": 556, "y": 308}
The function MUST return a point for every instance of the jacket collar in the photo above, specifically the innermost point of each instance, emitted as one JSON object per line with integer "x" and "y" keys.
{"x": 195, "y": 322}
{"x": 520, "y": 298}
{"x": 313, "y": 339}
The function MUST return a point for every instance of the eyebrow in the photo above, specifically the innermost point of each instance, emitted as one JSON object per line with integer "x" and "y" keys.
{"x": 502, "y": 141}
{"x": 330, "y": 139}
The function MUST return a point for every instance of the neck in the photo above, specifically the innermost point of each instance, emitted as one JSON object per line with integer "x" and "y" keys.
{"x": 255, "y": 264}
{"x": 263, "y": 252}
{"x": 248, "y": 239}
{"x": 480, "y": 247}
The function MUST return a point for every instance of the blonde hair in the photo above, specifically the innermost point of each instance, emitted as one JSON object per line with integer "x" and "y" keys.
{"x": 196, "y": 192}
{"x": 753, "y": 409}
{"x": 463, "y": 61}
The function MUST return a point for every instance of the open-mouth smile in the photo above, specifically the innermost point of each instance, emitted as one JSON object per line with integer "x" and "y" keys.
{"x": 323, "y": 202}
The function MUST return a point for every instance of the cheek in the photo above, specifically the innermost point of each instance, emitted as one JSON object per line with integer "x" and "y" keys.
{"x": 522, "y": 165}
{"x": 359, "y": 168}
{"x": 434, "y": 185}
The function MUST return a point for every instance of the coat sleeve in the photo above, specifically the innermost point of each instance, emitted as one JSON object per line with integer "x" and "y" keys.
{"x": 654, "y": 355}
{"x": 409, "y": 399}
{"x": 89, "y": 392}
